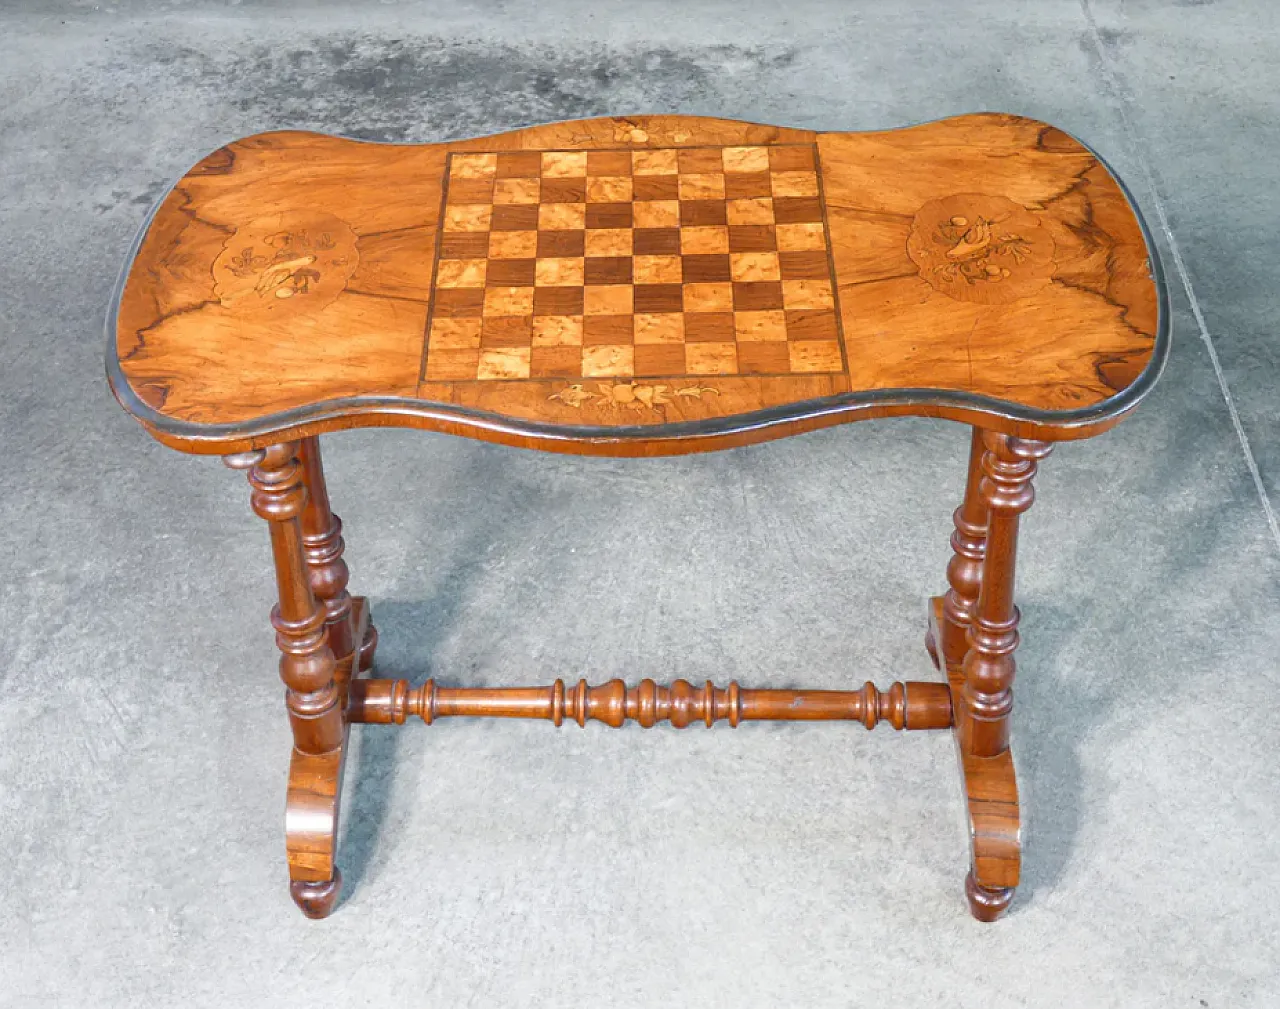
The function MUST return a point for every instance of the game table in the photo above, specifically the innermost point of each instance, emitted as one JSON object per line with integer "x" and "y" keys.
{"x": 641, "y": 286}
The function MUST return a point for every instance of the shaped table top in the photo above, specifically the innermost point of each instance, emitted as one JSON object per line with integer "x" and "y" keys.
{"x": 638, "y": 286}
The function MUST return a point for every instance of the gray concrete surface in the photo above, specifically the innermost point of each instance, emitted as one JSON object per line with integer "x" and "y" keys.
{"x": 142, "y": 769}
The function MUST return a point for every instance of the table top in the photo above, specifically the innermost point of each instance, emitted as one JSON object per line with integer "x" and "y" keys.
{"x": 637, "y": 286}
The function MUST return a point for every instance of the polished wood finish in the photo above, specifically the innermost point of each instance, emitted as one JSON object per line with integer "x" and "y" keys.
{"x": 323, "y": 545}
{"x": 973, "y": 632}
{"x": 964, "y": 573}
{"x": 915, "y": 705}
{"x": 1008, "y": 465}
{"x": 991, "y": 800}
{"x": 640, "y": 286}
{"x": 314, "y": 798}
{"x": 306, "y": 662}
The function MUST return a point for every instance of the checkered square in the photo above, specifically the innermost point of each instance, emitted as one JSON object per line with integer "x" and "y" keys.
{"x": 661, "y": 263}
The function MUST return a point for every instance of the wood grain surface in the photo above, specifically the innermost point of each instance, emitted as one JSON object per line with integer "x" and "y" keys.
{"x": 639, "y": 286}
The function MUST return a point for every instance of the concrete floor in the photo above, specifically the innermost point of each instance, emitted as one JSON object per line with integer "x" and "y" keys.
{"x": 143, "y": 771}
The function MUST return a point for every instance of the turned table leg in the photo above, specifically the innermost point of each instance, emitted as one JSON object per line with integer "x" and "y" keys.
{"x": 975, "y": 626}
{"x": 326, "y": 569}
{"x": 309, "y": 670}
{"x": 968, "y": 546}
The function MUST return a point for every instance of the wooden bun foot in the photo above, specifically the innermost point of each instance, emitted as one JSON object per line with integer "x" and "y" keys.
{"x": 986, "y": 903}
{"x": 317, "y": 899}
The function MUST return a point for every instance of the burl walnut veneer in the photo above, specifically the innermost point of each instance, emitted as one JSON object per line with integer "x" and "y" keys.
{"x": 634, "y": 287}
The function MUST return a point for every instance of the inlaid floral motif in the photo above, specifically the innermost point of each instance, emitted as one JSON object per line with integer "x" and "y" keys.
{"x": 981, "y": 248}
{"x": 628, "y": 395}
{"x": 302, "y": 259}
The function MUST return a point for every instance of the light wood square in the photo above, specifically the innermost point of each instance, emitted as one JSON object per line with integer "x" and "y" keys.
{"x": 608, "y": 242}
{"x": 770, "y": 327}
{"x": 815, "y": 355}
{"x": 795, "y": 184}
{"x": 473, "y": 166}
{"x": 503, "y": 362}
{"x": 608, "y": 189}
{"x": 667, "y": 327}
{"x": 757, "y": 211}
{"x": 656, "y": 270}
{"x": 557, "y": 331}
{"x": 516, "y": 191}
{"x": 746, "y": 159}
{"x": 800, "y": 237}
{"x": 702, "y": 187}
{"x": 562, "y": 217}
{"x": 654, "y": 162}
{"x": 565, "y": 272}
{"x": 508, "y": 301}
{"x": 607, "y": 360}
{"x": 455, "y": 334}
{"x": 747, "y": 266}
{"x": 708, "y": 297}
{"x": 513, "y": 245}
{"x": 467, "y": 217}
{"x": 461, "y": 272}
{"x": 656, "y": 214}
{"x": 607, "y": 299}
{"x": 564, "y": 164}
{"x": 711, "y": 358}
{"x": 807, "y": 294}
{"x": 710, "y": 239}
{"x": 452, "y": 365}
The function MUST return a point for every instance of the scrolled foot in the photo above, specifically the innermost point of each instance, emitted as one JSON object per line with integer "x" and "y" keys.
{"x": 986, "y": 903}
{"x": 367, "y": 648}
{"x": 931, "y": 646}
{"x": 316, "y": 899}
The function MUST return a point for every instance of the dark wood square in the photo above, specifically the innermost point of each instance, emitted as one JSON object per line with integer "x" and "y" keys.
{"x": 697, "y": 213}
{"x": 655, "y": 298}
{"x": 752, "y": 238}
{"x": 757, "y": 296}
{"x": 763, "y": 357}
{"x": 797, "y": 210}
{"x": 560, "y": 244}
{"x": 506, "y": 331}
{"x": 655, "y": 187}
{"x": 514, "y": 217}
{"x": 804, "y": 265}
{"x": 557, "y": 301}
{"x": 608, "y": 215}
{"x": 519, "y": 165}
{"x": 656, "y": 241}
{"x": 563, "y": 191}
{"x": 608, "y": 270}
{"x": 708, "y": 327}
{"x": 598, "y": 330}
{"x": 616, "y": 163}
{"x": 458, "y": 303}
{"x": 510, "y": 273}
{"x": 747, "y": 185}
{"x": 555, "y": 362}
{"x": 652, "y": 359}
{"x": 708, "y": 268}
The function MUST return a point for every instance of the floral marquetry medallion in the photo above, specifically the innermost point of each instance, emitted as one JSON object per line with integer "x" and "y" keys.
{"x": 283, "y": 264}
{"x": 981, "y": 248}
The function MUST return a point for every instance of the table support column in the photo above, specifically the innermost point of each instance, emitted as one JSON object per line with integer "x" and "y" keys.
{"x": 307, "y": 667}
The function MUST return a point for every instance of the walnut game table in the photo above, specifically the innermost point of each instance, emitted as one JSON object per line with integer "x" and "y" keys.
{"x": 638, "y": 287}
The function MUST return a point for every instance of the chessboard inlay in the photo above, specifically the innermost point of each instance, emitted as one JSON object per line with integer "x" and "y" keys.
{"x": 653, "y": 263}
